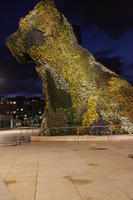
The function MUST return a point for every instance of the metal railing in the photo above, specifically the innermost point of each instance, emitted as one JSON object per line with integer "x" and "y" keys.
{"x": 18, "y": 136}
{"x": 113, "y": 129}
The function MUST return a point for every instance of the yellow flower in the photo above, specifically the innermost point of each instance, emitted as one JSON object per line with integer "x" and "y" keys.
{"x": 91, "y": 115}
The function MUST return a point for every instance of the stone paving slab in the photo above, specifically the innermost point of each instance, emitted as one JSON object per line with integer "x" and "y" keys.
{"x": 63, "y": 171}
{"x": 4, "y": 192}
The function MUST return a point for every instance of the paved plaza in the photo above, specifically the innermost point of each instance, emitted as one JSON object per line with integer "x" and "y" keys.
{"x": 69, "y": 171}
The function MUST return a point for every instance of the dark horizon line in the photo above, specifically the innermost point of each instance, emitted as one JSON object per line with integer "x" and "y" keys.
{"x": 21, "y": 96}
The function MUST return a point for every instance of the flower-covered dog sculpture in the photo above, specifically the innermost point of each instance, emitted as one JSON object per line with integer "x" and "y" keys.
{"x": 78, "y": 90}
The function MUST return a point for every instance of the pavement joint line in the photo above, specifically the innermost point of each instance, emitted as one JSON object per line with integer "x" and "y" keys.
{"x": 38, "y": 164}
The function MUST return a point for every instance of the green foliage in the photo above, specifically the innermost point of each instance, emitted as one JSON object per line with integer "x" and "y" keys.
{"x": 70, "y": 116}
{"x": 59, "y": 98}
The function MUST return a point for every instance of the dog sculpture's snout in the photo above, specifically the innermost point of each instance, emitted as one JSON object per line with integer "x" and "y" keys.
{"x": 16, "y": 45}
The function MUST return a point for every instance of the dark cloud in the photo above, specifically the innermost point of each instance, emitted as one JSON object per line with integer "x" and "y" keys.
{"x": 28, "y": 87}
{"x": 128, "y": 74}
{"x": 105, "y": 52}
{"x": 4, "y": 53}
{"x": 113, "y": 63}
{"x": 130, "y": 66}
{"x": 16, "y": 78}
{"x": 11, "y": 69}
{"x": 115, "y": 17}
{"x": 107, "y": 58}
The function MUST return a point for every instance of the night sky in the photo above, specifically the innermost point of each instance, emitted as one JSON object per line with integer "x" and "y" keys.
{"x": 107, "y": 32}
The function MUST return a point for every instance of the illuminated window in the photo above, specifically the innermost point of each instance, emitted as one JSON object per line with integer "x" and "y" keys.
{"x": 14, "y": 102}
{"x": 22, "y": 109}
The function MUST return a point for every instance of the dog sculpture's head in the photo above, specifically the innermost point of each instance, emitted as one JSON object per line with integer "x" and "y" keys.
{"x": 44, "y": 22}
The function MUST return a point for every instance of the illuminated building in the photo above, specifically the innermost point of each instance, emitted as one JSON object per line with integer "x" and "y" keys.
{"x": 21, "y": 107}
